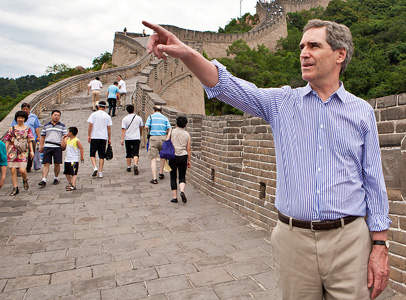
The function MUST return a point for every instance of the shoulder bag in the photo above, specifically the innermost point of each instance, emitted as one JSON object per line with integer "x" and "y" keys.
{"x": 168, "y": 151}
{"x": 20, "y": 144}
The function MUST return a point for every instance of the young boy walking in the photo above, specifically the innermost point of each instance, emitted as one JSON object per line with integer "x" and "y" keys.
{"x": 73, "y": 148}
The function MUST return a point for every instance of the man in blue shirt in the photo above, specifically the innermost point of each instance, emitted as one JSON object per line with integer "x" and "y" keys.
{"x": 158, "y": 126}
{"x": 113, "y": 93}
{"x": 34, "y": 124}
{"x": 328, "y": 162}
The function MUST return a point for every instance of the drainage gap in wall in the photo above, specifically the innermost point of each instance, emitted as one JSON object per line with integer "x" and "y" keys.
{"x": 262, "y": 190}
{"x": 212, "y": 174}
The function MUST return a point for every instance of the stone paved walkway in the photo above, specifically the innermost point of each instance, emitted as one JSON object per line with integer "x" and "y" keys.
{"x": 119, "y": 237}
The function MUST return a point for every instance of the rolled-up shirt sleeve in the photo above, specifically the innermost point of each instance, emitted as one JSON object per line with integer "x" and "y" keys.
{"x": 246, "y": 96}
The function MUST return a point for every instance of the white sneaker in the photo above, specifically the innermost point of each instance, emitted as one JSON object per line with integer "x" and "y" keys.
{"x": 94, "y": 174}
{"x": 100, "y": 175}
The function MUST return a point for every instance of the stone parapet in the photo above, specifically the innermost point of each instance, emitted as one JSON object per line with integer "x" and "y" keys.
{"x": 127, "y": 50}
{"x": 216, "y": 44}
{"x": 56, "y": 93}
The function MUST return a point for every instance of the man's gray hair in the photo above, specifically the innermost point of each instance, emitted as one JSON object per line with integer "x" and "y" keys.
{"x": 338, "y": 36}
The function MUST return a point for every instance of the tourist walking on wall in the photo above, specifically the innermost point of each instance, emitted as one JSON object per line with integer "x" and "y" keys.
{"x": 158, "y": 126}
{"x": 34, "y": 124}
{"x": 3, "y": 163}
{"x": 50, "y": 145}
{"x": 95, "y": 85}
{"x": 99, "y": 134}
{"x": 329, "y": 166}
{"x": 123, "y": 91}
{"x": 19, "y": 140}
{"x": 182, "y": 143}
{"x": 113, "y": 94}
{"x": 74, "y": 148}
{"x": 131, "y": 132}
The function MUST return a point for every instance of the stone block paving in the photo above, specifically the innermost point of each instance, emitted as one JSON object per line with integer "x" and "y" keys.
{"x": 119, "y": 237}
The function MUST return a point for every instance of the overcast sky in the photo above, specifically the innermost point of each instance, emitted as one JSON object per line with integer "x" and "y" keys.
{"x": 37, "y": 34}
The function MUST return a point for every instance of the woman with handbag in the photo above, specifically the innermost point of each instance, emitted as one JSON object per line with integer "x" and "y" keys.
{"x": 182, "y": 143}
{"x": 19, "y": 140}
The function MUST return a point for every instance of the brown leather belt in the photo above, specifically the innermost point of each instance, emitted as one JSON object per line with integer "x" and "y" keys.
{"x": 317, "y": 225}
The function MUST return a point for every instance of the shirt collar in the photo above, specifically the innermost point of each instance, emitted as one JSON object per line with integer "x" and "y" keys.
{"x": 50, "y": 122}
{"x": 341, "y": 93}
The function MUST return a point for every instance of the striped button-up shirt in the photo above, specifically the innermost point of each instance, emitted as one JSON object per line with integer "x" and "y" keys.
{"x": 327, "y": 153}
{"x": 53, "y": 134}
{"x": 158, "y": 124}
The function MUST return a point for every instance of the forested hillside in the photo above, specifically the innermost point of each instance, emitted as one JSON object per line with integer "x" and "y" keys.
{"x": 12, "y": 91}
{"x": 377, "y": 68}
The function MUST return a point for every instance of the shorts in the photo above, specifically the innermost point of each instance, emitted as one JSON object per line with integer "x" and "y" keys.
{"x": 98, "y": 145}
{"x": 132, "y": 148}
{"x": 71, "y": 168}
{"x": 52, "y": 152}
{"x": 155, "y": 145}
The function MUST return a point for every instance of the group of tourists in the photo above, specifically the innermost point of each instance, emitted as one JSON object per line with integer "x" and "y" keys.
{"x": 99, "y": 135}
{"x": 160, "y": 130}
{"x": 116, "y": 93}
{"x": 24, "y": 139}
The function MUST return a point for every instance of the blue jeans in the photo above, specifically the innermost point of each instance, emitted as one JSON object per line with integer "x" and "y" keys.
{"x": 112, "y": 105}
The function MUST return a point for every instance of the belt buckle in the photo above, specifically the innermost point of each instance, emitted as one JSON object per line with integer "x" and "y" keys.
{"x": 311, "y": 224}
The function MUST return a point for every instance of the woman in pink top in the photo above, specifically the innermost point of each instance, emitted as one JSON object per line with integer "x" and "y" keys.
{"x": 19, "y": 140}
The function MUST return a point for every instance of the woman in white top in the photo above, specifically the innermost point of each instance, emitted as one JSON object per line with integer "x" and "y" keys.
{"x": 182, "y": 144}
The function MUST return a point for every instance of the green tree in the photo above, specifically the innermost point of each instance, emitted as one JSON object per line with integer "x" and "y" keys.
{"x": 98, "y": 62}
{"x": 57, "y": 68}
{"x": 240, "y": 25}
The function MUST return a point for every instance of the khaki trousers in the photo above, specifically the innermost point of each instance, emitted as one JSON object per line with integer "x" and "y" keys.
{"x": 123, "y": 97}
{"x": 95, "y": 98}
{"x": 320, "y": 265}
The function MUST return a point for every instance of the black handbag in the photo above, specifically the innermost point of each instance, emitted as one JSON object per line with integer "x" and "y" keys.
{"x": 109, "y": 152}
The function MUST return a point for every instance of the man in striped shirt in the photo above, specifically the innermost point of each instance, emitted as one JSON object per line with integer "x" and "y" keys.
{"x": 50, "y": 145}
{"x": 158, "y": 126}
{"x": 329, "y": 167}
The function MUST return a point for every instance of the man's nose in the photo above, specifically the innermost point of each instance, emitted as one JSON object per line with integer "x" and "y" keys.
{"x": 304, "y": 53}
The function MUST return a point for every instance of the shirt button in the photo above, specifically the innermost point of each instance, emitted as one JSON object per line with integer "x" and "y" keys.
{"x": 319, "y": 169}
{"x": 321, "y": 126}
{"x": 318, "y": 191}
{"x": 320, "y": 147}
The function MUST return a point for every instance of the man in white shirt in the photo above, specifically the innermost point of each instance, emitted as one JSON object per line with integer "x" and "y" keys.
{"x": 123, "y": 90}
{"x": 95, "y": 85}
{"x": 99, "y": 134}
{"x": 131, "y": 131}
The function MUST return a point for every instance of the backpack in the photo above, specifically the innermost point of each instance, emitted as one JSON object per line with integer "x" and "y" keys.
{"x": 22, "y": 143}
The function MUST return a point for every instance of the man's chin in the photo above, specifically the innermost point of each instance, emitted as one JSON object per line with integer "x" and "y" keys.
{"x": 306, "y": 77}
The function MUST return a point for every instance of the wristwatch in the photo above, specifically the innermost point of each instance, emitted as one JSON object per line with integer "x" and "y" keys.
{"x": 381, "y": 243}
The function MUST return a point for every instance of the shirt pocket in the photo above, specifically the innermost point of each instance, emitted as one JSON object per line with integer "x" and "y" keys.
{"x": 348, "y": 152}
{"x": 347, "y": 142}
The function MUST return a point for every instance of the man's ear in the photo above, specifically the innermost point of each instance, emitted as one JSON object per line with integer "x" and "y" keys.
{"x": 342, "y": 54}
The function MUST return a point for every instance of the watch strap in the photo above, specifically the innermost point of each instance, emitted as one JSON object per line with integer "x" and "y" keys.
{"x": 379, "y": 242}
